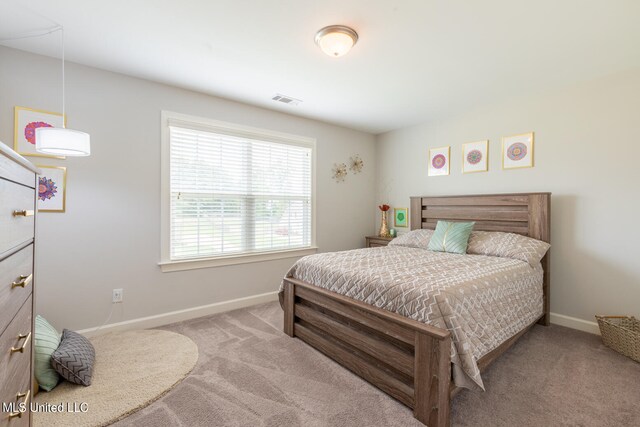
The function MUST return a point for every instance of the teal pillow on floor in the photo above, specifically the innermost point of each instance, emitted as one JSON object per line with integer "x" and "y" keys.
{"x": 46, "y": 342}
{"x": 451, "y": 237}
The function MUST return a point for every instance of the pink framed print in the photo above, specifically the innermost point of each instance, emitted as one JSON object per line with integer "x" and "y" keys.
{"x": 517, "y": 151}
{"x": 475, "y": 156}
{"x": 52, "y": 189}
{"x": 439, "y": 161}
{"x": 27, "y": 120}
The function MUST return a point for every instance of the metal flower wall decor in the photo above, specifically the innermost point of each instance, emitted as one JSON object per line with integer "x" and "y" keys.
{"x": 339, "y": 172}
{"x": 356, "y": 164}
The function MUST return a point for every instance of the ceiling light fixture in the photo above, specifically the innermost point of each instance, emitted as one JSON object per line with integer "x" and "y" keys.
{"x": 62, "y": 141}
{"x": 336, "y": 40}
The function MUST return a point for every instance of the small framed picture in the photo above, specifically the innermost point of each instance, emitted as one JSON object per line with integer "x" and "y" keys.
{"x": 439, "y": 161}
{"x": 52, "y": 189}
{"x": 400, "y": 217}
{"x": 27, "y": 120}
{"x": 517, "y": 151}
{"x": 475, "y": 156}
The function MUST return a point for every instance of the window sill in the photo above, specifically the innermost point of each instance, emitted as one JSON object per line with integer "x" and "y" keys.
{"x": 193, "y": 264}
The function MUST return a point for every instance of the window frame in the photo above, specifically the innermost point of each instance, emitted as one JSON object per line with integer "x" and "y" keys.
{"x": 168, "y": 118}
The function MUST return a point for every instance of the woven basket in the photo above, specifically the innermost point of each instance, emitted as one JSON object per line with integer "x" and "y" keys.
{"x": 622, "y": 334}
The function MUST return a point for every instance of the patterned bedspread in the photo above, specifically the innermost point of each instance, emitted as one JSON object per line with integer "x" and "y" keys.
{"x": 481, "y": 300}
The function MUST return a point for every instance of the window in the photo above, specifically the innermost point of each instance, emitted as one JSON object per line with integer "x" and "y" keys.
{"x": 233, "y": 193}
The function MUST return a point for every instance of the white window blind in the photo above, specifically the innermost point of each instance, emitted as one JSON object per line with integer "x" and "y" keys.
{"x": 236, "y": 195}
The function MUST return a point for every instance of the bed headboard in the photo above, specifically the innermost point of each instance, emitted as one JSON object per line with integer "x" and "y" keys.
{"x": 528, "y": 214}
{"x": 523, "y": 213}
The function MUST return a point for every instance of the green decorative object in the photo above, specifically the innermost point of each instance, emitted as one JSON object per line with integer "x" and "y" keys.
{"x": 400, "y": 217}
{"x": 46, "y": 342}
{"x": 452, "y": 237}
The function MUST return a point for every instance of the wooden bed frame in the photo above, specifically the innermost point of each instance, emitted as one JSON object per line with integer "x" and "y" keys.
{"x": 407, "y": 359}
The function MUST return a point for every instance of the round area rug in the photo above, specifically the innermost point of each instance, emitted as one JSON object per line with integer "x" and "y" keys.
{"x": 132, "y": 369}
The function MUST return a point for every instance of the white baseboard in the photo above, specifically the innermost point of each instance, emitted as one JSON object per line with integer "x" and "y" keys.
{"x": 180, "y": 315}
{"x": 575, "y": 323}
{"x": 220, "y": 307}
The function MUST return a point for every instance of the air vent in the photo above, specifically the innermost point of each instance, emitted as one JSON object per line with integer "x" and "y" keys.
{"x": 286, "y": 99}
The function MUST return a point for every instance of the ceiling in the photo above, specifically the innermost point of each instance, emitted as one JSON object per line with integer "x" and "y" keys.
{"x": 415, "y": 60}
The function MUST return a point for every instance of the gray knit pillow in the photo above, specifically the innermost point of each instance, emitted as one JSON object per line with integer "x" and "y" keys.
{"x": 413, "y": 239}
{"x": 507, "y": 245}
{"x": 74, "y": 358}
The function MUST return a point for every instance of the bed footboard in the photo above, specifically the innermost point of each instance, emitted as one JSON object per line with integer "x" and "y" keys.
{"x": 406, "y": 359}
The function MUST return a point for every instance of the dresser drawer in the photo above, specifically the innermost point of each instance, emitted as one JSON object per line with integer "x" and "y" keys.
{"x": 17, "y": 200}
{"x": 15, "y": 363}
{"x": 16, "y": 283}
{"x": 13, "y": 171}
{"x": 18, "y": 393}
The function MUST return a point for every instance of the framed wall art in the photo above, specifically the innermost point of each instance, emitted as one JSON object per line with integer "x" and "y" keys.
{"x": 439, "y": 161}
{"x": 517, "y": 151}
{"x": 52, "y": 189}
{"x": 475, "y": 156}
{"x": 27, "y": 120}
{"x": 400, "y": 217}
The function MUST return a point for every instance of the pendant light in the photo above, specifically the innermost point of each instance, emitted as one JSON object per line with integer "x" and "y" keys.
{"x": 63, "y": 141}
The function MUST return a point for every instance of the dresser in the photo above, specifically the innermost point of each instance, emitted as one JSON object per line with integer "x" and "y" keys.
{"x": 17, "y": 242}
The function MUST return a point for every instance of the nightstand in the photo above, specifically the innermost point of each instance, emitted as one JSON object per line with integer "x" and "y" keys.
{"x": 376, "y": 241}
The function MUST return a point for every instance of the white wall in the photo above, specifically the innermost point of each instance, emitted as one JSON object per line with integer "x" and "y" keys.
{"x": 587, "y": 153}
{"x": 110, "y": 235}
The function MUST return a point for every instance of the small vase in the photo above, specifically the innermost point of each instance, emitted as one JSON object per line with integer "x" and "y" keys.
{"x": 384, "y": 228}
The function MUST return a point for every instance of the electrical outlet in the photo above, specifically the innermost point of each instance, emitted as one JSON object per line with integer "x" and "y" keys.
{"x": 117, "y": 296}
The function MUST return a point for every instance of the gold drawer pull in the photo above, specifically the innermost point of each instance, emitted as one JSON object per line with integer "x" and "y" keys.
{"x": 22, "y": 281}
{"x": 18, "y": 414}
{"x": 23, "y": 213}
{"x": 24, "y": 344}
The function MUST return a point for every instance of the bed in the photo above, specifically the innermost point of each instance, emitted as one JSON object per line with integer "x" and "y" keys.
{"x": 419, "y": 351}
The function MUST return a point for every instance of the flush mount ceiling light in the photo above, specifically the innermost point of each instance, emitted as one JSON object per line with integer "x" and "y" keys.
{"x": 336, "y": 40}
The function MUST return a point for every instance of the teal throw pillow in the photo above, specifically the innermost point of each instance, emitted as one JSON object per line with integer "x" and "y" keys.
{"x": 46, "y": 342}
{"x": 451, "y": 237}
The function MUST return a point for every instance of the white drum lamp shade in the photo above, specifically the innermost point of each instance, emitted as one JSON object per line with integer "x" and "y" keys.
{"x": 62, "y": 142}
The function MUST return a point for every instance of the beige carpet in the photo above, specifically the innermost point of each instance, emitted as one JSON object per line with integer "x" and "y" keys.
{"x": 132, "y": 369}
{"x": 251, "y": 374}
